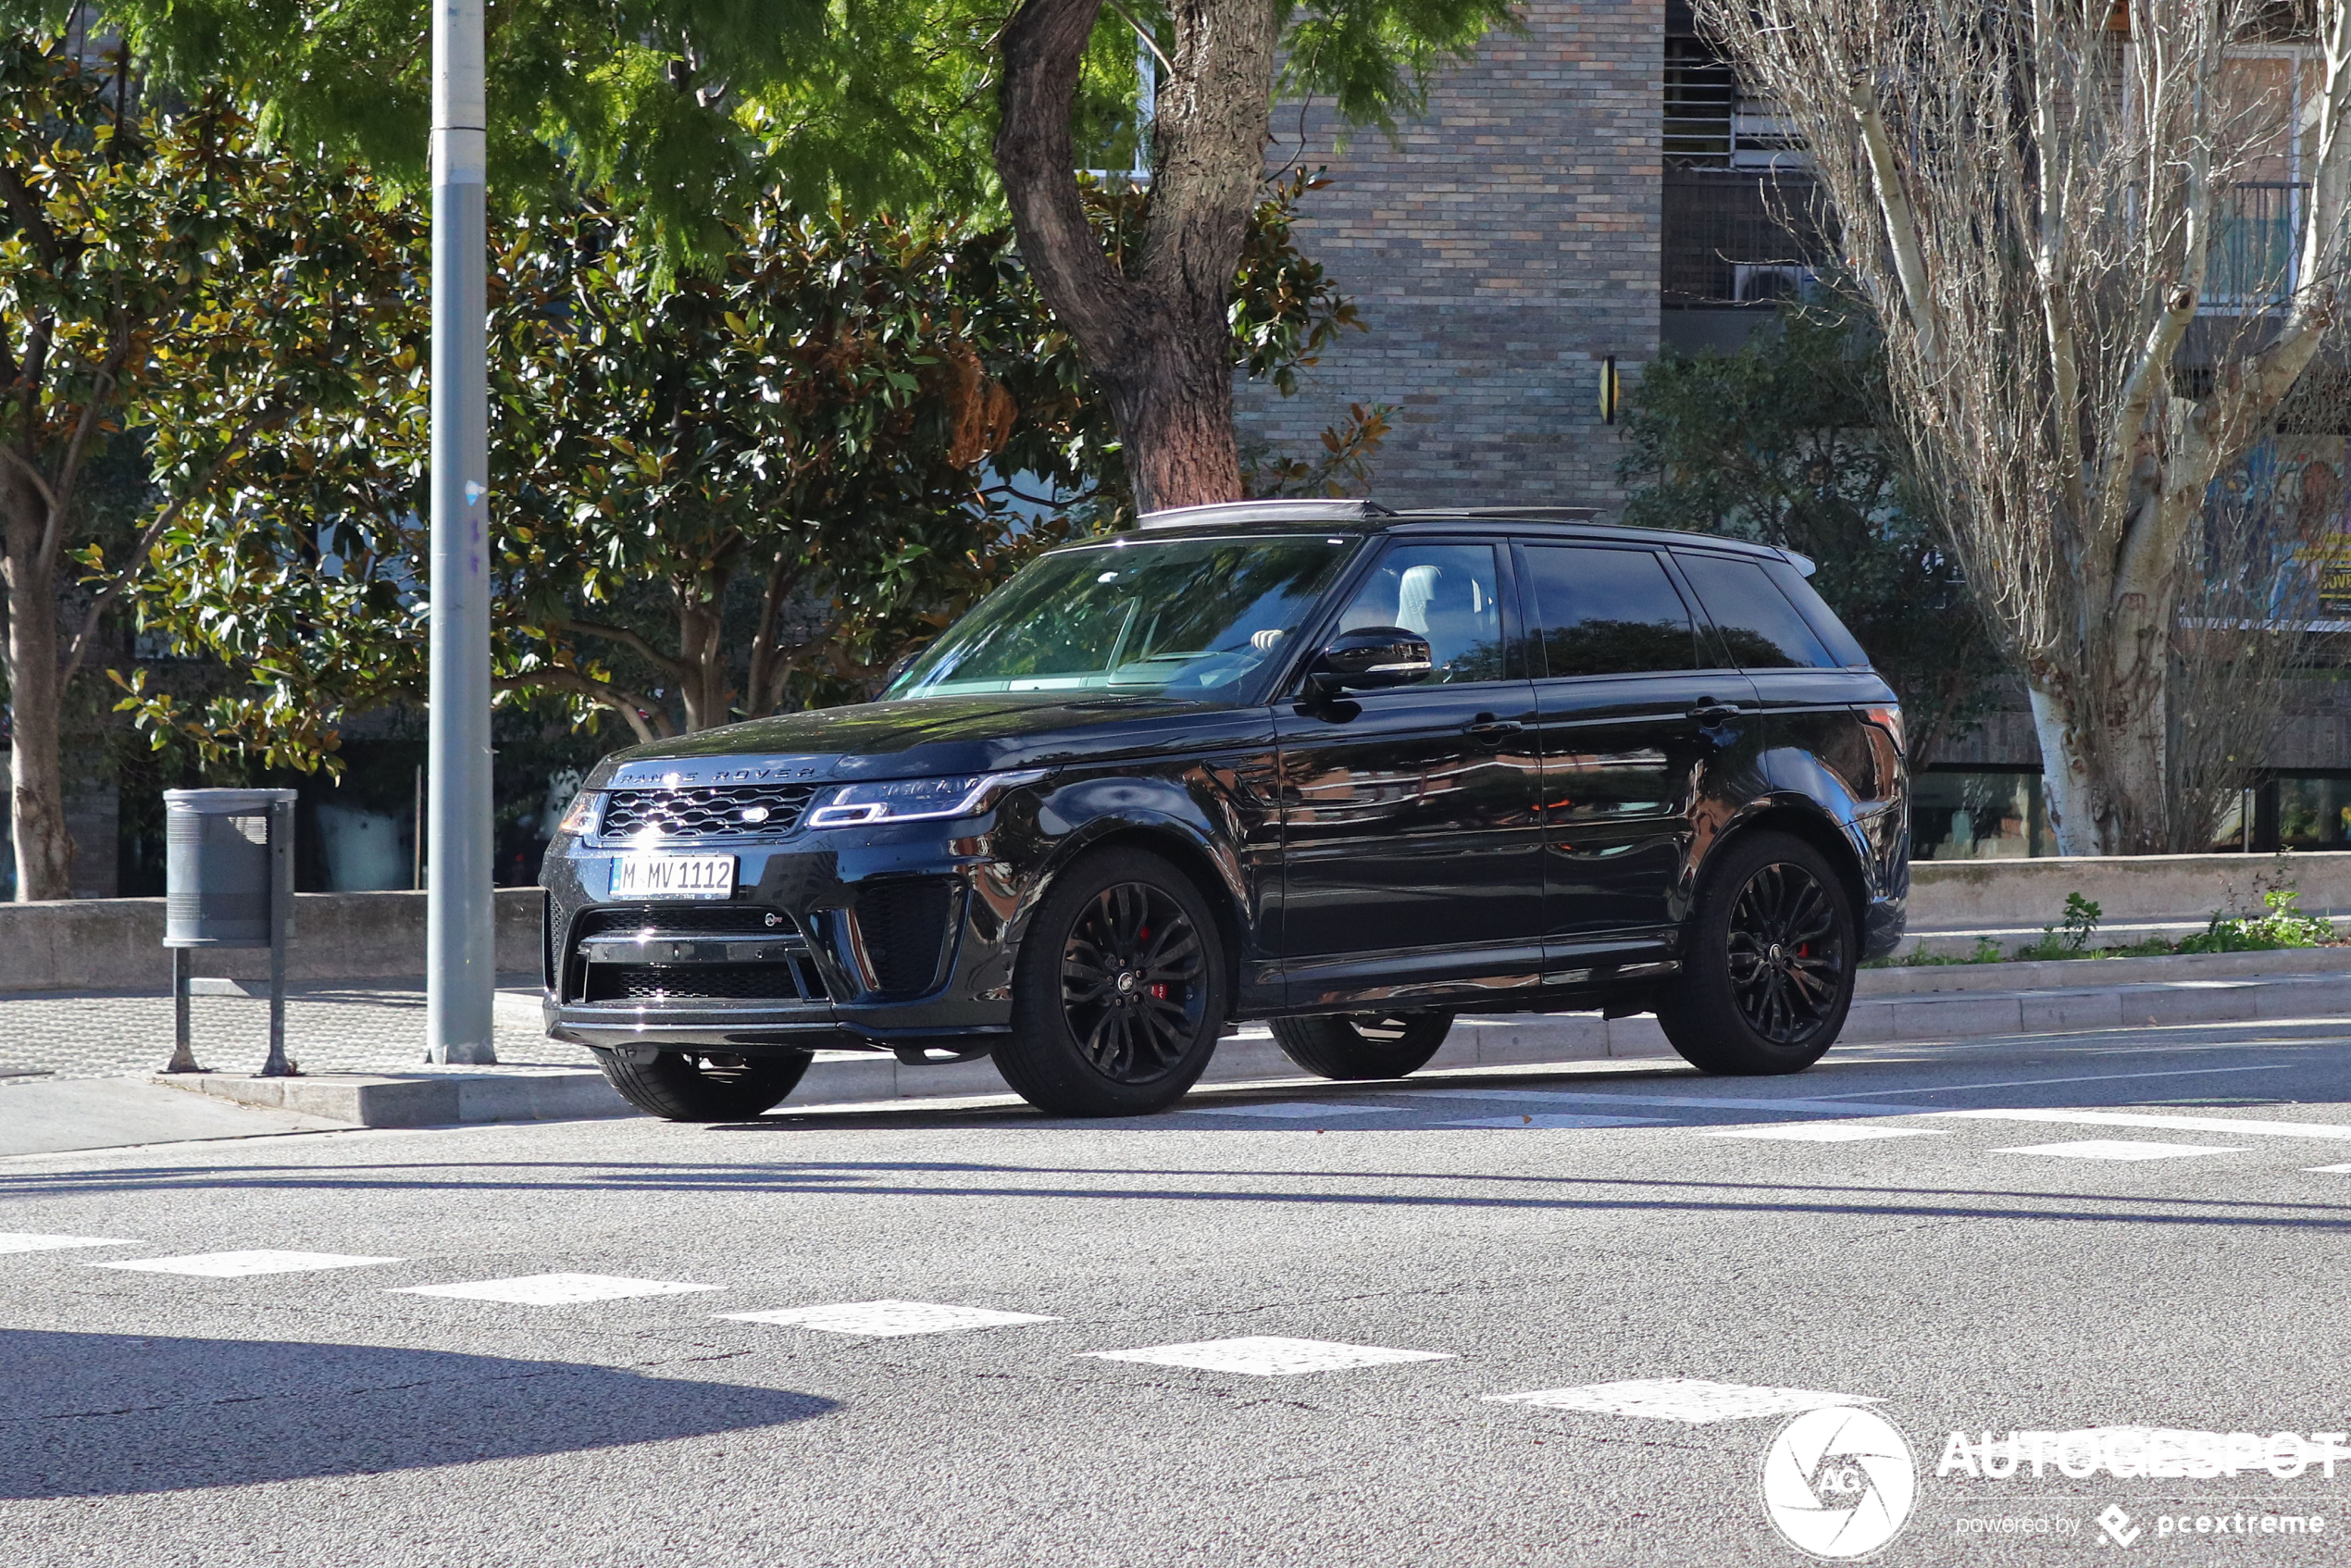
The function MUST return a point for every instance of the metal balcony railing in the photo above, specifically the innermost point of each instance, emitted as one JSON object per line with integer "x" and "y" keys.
{"x": 1732, "y": 237}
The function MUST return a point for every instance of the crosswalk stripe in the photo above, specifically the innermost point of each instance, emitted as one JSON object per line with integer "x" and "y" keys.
{"x": 2119, "y": 1148}
{"x": 1269, "y": 1355}
{"x": 1693, "y": 1399}
{"x": 1694, "y": 1102}
{"x": 2233, "y": 1126}
{"x": 553, "y": 1290}
{"x": 36, "y": 1241}
{"x": 889, "y": 1320}
{"x": 240, "y": 1265}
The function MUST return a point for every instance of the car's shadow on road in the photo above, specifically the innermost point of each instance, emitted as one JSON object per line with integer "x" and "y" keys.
{"x": 109, "y": 1414}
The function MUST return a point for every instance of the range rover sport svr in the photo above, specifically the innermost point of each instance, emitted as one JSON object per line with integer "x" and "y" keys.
{"x": 1348, "y": 770}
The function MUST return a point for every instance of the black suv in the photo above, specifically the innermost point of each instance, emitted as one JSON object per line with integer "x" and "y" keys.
{"x": 1351, "y": 770}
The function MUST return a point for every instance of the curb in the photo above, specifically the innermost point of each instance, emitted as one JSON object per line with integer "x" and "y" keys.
{"x": 528, "y": 1094}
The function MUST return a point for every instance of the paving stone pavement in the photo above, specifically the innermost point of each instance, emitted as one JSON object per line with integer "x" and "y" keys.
{"x": 373, "y": 1027}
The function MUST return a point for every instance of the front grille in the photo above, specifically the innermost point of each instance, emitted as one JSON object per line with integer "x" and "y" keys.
{"x": 904, "y": 925}
{"x": 687, "y": 919}
{"x": 795, "y": 979}
{"x": 686, "y": 815}
{"x": 698, "y": 982}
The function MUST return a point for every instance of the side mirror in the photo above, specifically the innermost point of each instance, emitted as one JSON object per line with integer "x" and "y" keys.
{"x": 1368, "y": 657}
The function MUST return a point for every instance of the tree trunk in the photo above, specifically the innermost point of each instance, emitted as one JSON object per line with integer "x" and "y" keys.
{"x": 1158, "y": 340}
{"x": 37, "y": 817}
{"x": 2066, "y": 787}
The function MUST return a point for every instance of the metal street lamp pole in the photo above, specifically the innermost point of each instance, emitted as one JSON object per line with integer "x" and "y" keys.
{"x": 460, "y": 949}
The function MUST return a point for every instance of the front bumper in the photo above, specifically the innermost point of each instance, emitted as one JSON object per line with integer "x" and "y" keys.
{"x": 869, "y": 937}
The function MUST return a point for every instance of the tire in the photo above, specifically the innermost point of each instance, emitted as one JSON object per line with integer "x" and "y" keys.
{"x": 697, "y": 1087}
{"x": 1118, "y": 990}
{"x": 1768, "y": 961}
{"x": 1362, "y": 1045}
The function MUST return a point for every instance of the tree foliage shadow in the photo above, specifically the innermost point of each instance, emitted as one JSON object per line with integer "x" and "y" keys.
{"x": 113, "y": 1415}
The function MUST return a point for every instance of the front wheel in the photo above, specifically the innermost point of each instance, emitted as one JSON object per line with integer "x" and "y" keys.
{"x": 1119, "y": 990}
{"x": 1768, "y": 962}
{"x": 681, "y": 1085}
{"x": 1359, "y": 1046}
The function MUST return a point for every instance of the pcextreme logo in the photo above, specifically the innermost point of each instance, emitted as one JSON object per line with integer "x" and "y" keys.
{"x": 1838, "y": 1483}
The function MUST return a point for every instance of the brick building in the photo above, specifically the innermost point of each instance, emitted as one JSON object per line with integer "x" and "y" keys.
{"x": 1595, "y": 188}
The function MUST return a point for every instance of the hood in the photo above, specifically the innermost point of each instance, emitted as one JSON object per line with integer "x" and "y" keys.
{"x": 925, "y": 737}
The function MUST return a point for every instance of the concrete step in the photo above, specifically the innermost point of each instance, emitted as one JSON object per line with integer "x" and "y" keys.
{"x": 1906, "y": 980}
{"x": 508, "y": 1094}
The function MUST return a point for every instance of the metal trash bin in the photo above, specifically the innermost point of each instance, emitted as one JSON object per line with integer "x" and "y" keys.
{"x": 227, "y": 882}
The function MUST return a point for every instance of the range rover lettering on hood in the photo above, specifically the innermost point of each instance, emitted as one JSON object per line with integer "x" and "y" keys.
{"x": 658, "y": 775}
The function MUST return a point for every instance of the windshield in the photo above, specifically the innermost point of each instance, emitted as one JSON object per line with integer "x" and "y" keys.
{"x": 1191, "y": 617}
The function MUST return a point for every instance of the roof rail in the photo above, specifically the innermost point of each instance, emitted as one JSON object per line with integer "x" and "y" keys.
{"x": 1230, "y": 512}
{"x": 1518, "y": 513}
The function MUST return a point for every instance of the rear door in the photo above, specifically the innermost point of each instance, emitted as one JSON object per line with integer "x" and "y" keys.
{"x": 1629, "y": 717}
{"x": 1807, "y": 672}
{"x": 1411, "y": 852}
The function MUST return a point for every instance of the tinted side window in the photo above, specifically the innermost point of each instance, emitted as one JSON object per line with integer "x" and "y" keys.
{"x": 1446, "y": 594}
{"x": 1817, "y": 614}
{"x": 1608, "y": 612}
{"x": 1760, "y": 627}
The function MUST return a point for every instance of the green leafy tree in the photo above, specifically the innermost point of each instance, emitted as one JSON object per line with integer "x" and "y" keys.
{"x": 694, "y": 108}
{"x": 1785, "y": 442}
{"x": 138, "y": 244}
{"x": 720, "y": 492}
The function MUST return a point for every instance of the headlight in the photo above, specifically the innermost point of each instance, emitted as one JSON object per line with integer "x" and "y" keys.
{"x": 917, "y": 800}
{"x": 581, "y": 818}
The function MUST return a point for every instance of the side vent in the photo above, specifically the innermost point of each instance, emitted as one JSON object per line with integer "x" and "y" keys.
{"x": 904, "y": 926}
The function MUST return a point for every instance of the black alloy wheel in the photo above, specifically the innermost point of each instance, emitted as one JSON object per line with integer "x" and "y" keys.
{"x": 1118, "y": 990}
{"x": 1131, "y": 986}
{"x": 1769, "y": 958}
{"x": 1785, "y": 954}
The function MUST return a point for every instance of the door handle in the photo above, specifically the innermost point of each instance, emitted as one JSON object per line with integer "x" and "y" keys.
{"x": 1712, "y": 712}
{"x": 1487, "y": 727}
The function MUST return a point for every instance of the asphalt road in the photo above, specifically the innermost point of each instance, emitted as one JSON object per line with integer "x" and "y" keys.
{"x": 1925, "y": 1269}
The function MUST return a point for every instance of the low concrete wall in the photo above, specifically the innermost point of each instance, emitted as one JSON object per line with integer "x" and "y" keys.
{"x": 1965, "y": 895}
{"x": 117, "y": 944}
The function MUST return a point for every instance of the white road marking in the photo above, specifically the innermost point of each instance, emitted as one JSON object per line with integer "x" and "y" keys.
{"x": 2330, "y": 1169}
{"x": 2115, "y": 1149}
{"x": 1699, "y": 1102}
{"x": 237, "y": 1265}
{"x": 1821, "y": 1132}
{"x": 888, "y": 1320}
{"x": 556, "y": 1289}
{"x": 2233, "y": 1126}
{"x": 34, "y": 1241}
{"x": 2087, "y": 1078}
{"x": 1298, "y": 1109}
{"x": 1554, "y": 1121}
{"x": 1266, "y": 1355}
{"x": 1694, "y": 1399}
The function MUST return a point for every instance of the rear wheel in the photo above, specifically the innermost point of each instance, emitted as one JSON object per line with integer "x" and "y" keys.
{"x": 1768, "y": 962}
{"x": 1119, "y": 990}
{"x": 1362, "y": 1045}
{"x": 681, "y": 1085}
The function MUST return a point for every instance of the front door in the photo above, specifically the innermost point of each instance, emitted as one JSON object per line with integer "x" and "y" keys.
{"x": 1628, "y": 723}
{"x": 1412, "y": 853}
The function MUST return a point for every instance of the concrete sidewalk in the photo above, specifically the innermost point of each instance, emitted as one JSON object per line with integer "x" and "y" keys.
{"x": 1922, "y": 1005}
{"x": 361, "y": 1045}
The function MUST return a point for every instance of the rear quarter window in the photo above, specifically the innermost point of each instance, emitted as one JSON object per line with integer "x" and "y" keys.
{"x": 1759, "y": 625}
{"x": 1817, "y": 614}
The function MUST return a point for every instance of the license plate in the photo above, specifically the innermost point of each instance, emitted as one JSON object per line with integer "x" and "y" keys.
{"x": 673, "y": 876}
